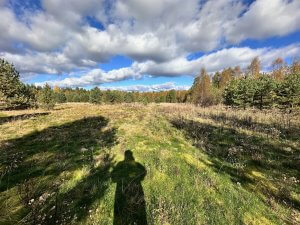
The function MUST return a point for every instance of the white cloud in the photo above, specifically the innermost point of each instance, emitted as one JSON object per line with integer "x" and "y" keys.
{"x": 149, "y": 88}
{"x": 156, "y": 34}
{"x": 44, "y": 63}
{"x": 265, "y": 18}
{"x": 217, "y": 61}
{"x": 95, "y": 77}
{"x": 181, "y": 66}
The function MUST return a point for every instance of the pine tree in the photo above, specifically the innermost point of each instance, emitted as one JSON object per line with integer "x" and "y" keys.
{"x": 171, "y": 96}
{"x": 161, "y": 97}
{"x": 13, "y": 93}
{"x": 288, "y": 92}
{"x": 46, "y": 98}
{"x": 229, "y": 93}
{"x": 239, "y": 92}
{"x": 60, "y": 97}
{"x": 95, "y": 96}
{"x": 264, "y": 92}
{"x": 128, "y": 97}
{"x": 216, "y": 79}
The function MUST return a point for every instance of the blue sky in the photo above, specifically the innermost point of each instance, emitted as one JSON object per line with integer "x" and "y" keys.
{"x": 143, "y": 44}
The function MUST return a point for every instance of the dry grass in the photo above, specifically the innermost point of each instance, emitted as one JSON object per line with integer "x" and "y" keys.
{"x": 204, "y": 165}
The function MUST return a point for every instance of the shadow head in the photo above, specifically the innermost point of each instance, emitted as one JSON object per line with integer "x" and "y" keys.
{"x": 128, "y": 155}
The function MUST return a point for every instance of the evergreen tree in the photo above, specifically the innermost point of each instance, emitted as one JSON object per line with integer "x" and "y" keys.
{"x": 128, "y": 97}
{"x": 144, "y": 99}
{"x": 239, "y": 92}
{"x": 288, "y": 92}
{"x": 112, "y": 97}
{"x": 216, "y": 95}
{"x": 60, "y": 97}
{"x": 229, "y": 93}
{"x": 216, "y": 79}
{"x": 171, "y": 96}
{"x": 162, "y": 97}
{"x": 95, "y": 96}
{"x": 46, "y": 98}
{"x": 13, "y": 93}
{"x": 264, "y": 92}
{"x": 194, "y": 91}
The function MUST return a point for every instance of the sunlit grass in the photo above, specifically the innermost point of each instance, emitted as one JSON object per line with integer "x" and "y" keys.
{"x": 204, "y": 166}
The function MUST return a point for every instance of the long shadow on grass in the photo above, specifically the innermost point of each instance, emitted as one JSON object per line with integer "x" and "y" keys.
{"x": 57, "y": 173}
{"x": 130, "y": 205}
{"x": 7, "y": 119}
{"x": 249, "y": 160}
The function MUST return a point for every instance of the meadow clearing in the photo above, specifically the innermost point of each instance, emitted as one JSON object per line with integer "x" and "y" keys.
{"x": 202, "y": 165}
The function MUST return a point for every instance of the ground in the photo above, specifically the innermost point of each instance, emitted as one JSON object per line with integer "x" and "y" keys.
{"x": 199, "y": 166}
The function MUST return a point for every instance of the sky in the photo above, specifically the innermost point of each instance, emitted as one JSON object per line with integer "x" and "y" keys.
{"x": 143, "y": 45}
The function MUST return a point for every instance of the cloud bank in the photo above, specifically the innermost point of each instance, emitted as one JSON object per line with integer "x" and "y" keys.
{"x": 157, "y": 35}
{"x": 181, "y": 66}
{"x": 149, "y": 88}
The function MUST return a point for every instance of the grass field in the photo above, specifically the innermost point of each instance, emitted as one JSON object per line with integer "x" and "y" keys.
{"x": 200, "y": 166}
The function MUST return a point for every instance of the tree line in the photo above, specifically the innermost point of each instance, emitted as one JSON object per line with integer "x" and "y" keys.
{"x": 98, "y": 96}
{"x": 278, "y": 88}
{"x": 16, "y": 95}
{"x": 231, "y": 86}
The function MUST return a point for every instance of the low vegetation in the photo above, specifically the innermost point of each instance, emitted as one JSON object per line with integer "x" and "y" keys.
{"x": 280, "y": 89}
{"x": 200, "y": 165}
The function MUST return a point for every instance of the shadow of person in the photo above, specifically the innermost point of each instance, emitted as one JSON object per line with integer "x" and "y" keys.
{"x": 130, "y": 206}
